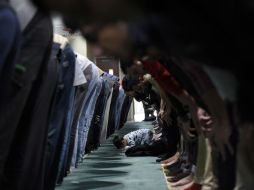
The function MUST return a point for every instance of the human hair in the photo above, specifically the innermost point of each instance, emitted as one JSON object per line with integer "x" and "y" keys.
{"x": 126, "y": 63}
{"x": 128, "y": 82}
{"x": 117, "y": 141}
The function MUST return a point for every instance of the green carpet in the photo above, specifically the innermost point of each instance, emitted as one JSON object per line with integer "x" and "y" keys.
{"x": 109, "y": 169}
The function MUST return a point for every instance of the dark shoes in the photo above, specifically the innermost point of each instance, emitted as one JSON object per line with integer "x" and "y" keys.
{"x": 163, "y": 157}
{"x": 155, "y": 122}
{"x": 177, "y": 177}
{"x": 152, "y": 118}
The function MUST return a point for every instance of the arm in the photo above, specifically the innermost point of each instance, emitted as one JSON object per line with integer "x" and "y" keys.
{"x": 171, "y": 86}
{"x": 221, "y": 126}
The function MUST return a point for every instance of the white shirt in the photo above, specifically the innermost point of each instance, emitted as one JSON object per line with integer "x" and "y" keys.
{"x": 81, "y": 64}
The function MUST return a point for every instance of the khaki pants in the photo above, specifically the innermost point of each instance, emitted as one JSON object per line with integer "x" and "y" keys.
{"x": 204, "y": 170}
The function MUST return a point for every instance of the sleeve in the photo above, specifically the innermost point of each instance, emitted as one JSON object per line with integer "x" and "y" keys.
{"x": 163, "y": 77}
{"x": 130, "y": 139}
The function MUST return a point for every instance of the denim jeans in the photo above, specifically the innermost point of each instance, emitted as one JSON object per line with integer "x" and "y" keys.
{"x": 98, "y": 118}
{"x": 10, "y": 44}
{"x": 87, "y": 113}
{"x": 67, "y": 136}
{"x": 60, "y": 118}
{"x": 125, "y": 110}
{"x": 111, "y": 119}
{"x": 77, "y": 94}
{"x": 107, "y": 92}
{"x": 111, "y": 79}
{"x": 79, "y": 98}
{"x": 95, "y": 127}
{"x": 103, "y": 133}
{"x": 119, "y": 104}
{"x": 26, "y": 111}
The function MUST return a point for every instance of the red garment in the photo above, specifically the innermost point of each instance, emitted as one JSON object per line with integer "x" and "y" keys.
{"x": 163, "y": 77}
{"x": 195, "y": 186}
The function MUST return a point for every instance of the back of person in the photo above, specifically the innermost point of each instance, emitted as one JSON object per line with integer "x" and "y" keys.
{"x": 139, "y": 137}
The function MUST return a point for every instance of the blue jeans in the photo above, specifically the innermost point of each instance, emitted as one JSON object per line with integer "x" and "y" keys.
{"x": 87, "y": 114}
{"x": 98, "y": 117}
{"x": 125, "y": 110}
{"x": 111, "y": 119}
{"x": 80, "y": 94}
{"x": 95, "y": 127}
{"x": 103, "y": 131}
{"x": 61, "y": 117}
{"x": 67, "y": 136}
{"x": 119, "y": 104}
{"x": 107, "y": 91}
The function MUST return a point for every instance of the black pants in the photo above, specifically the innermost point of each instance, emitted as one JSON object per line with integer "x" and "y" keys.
{"x": 167, "y": 144}
{"x": 10, "y": 44}
{"x": 125, "y": 110}
{"x": 225, "y": 170}
{"x": 155, "y": 149}
{"x": 148, "y": 111}
{"x": 111, "y": 119}
{"x": 26, "y": 116}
